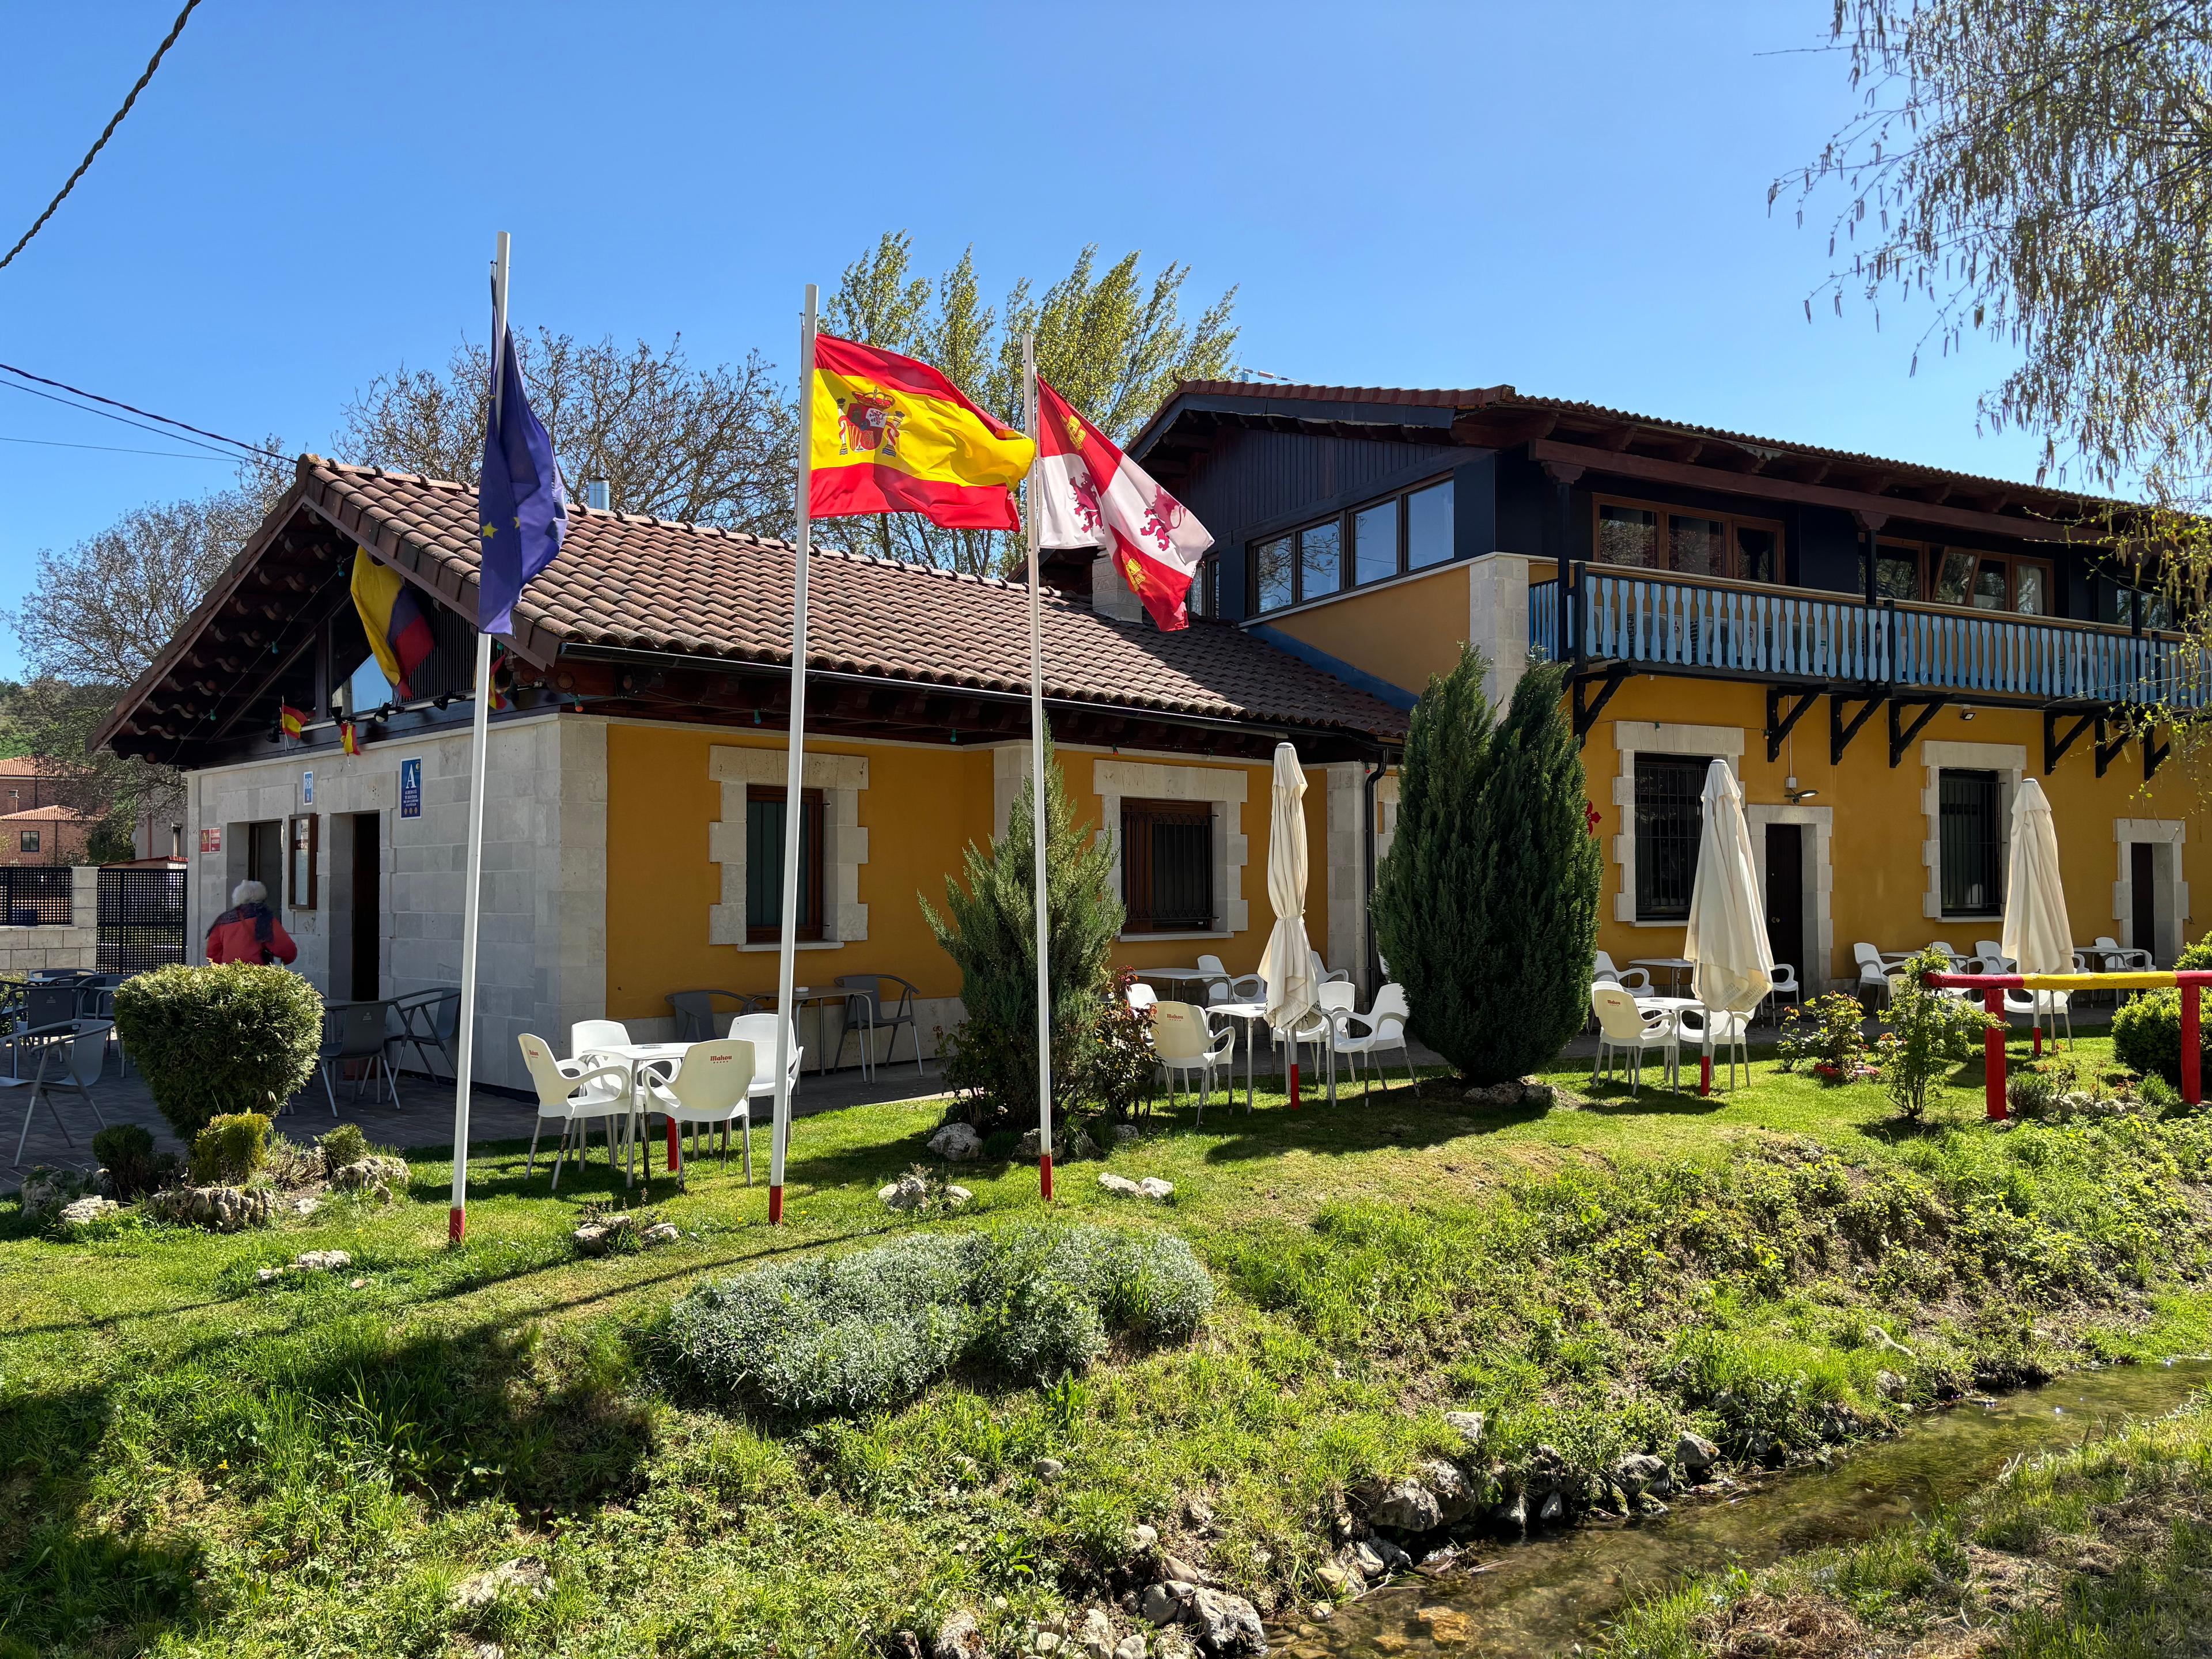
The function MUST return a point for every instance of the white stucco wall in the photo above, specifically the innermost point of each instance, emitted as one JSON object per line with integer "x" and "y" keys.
{"x": 542, "y": 951}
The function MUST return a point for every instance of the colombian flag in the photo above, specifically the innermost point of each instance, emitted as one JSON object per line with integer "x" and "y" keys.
{"x": 397, "y": 626}
{"x": 292, "y": 720}
{"x": 893, "y": 435}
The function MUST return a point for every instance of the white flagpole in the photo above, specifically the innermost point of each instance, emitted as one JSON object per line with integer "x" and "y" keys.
{"x": 794, "y": 774}
{"x": 1029, "y": 528}
{"x": 479, "y": 748}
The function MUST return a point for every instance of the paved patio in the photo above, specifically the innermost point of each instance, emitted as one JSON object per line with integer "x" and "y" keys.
{"x": 423, "y": 1118}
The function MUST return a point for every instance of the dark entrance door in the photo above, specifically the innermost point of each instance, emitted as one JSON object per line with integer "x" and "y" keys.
{"x": 1785, "y": 894}
{"x": 2142, "y": 877}
{"x": 368, "y": 907}
{"x": 264, "y": 857}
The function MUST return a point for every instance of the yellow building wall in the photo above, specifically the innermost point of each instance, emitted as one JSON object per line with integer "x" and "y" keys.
{"x": 921, "y": 808}
{"x": 1401, "y": 634}
{"x": 1880, "y": 880}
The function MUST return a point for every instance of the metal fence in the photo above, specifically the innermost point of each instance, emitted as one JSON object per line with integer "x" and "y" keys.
{"x": 35, "y": 896}
{"x": 142, "y": 920}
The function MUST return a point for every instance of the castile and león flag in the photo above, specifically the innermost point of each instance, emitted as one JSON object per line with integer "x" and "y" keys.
{"x": 1089, "y": 493}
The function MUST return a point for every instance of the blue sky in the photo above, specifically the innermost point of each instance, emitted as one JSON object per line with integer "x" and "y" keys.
{"x": 1571, "y": 198}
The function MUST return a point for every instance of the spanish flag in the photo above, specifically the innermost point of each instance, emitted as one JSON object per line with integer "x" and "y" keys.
{"x": 893, "y": 435}
{"x": 292, "y": 720}
{"x": 349, "y": 736}
{"x": 397, "y": 626}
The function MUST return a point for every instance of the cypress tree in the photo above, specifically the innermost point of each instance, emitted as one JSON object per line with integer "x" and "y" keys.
{"x": 989, "y": 928}
{"x": 1487, "y": 904}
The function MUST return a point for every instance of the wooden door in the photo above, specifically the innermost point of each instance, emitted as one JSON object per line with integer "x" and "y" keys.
{"x": 1785, "y": 896}
{"x": 2142, "y": 877}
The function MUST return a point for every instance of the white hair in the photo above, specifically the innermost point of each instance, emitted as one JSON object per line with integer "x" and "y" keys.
{"x": 249, "y": 892}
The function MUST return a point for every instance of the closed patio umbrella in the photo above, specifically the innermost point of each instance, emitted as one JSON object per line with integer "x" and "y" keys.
{"x": 1292, "y": 992}
{"x": 2036, "y": 934}
{"x": 1732, "y": 964}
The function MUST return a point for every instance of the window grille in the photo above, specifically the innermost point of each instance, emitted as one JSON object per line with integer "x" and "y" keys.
{"x": 1167, "y": 866}
{"x": 1668, "y": 827}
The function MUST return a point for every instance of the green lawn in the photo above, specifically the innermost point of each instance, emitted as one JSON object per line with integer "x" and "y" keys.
{"x": 198, "y": 1463}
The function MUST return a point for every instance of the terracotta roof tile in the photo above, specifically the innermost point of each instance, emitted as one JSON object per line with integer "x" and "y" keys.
{"x": 647, "y": 583}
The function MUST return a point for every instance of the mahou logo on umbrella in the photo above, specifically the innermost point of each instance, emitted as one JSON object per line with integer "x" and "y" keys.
{"x": 1091, "y": 495}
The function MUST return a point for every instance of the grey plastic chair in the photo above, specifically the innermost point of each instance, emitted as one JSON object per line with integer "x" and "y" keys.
{"x": 428, "y": 1022}
{"x": 865, "y": 1013}
{"x": 697, "y": 1016}
{"x": 72, "y": 1061}
{"x": 49, "y": 1007}
{"x": 356, "y": 1031}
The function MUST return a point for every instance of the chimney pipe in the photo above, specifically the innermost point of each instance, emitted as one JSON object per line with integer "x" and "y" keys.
{"x": 598, "y": 495}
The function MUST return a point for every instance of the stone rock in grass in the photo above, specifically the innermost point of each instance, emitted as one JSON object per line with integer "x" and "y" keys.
{"x": 956, "y": 1195}
{"x": 1467, "y": 1425}
{"x": 956, "y": 1143}
{"x": 1094, "y": 1637}
{"x": 1199, "y": 1513}
{"x": 1225, "y": 1624}
{"x": 1695, "y": 1453}
{"x": 1082, "y": 1147}
{"x": 1143, "y": 1540}
{"x": 1513, "y": 1513}
{"x": 1025, "y": 1149}
{"x": 1130, "y": 1646}
{"x": 1454, "y": 1496}
{"x": 220, "y": 1209}
{"x": 321, "y": 1261}
{"x": 1153, "y": 1187}
{"x": 44, "y": 1191}
{"x": 905, "y": 1644}
{"x": 379, "y": 1173}
{"x": 1124, "y": 1133}
{"x": 1164, "y": 1603}
{"x": 1553, "y": 1511}
{"x": 1120, "y": 1186}
{"x": 1336, "y": 1580}
{"x": 1494, "y": 1096}
{"x": 661, "y": 1232}
{"x": 906, "y": 1193}
{"x": 525, "y": 1576}
{"x": 80, "y": 1213}
{"x": 1540, "y": 1095}
{"x": 1174, "y": 1570}
{"x": 1048, "y": 1469}
{"x": 1638, "y": 1472}
{"x": 1362, "y": 1558}
{"x": 960, "y": 1637}
{"x": 1407, "y": 1506}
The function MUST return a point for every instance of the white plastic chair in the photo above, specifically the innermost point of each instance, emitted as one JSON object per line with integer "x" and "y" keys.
{"x": 2056, "y": 1006}
{"x": 1873, "y": 971}
{"x": 1222, "y": 986}
{"x": 713, "y": 1087}
{"x": 759, "y": 1030}
{"x": 1635, "y": 981}
{"x": 1703, "y": 1028}
{"x": 1184, "y": 1041}
{"x": 588, "y": 1039}
{"x": 573, "y": 1094}
{"x": 1785, "y": 989}
{"x": 1323, "y": 974}
{"x": 1623, "y": 1028}
{"x": 73, "y": 1061}
{"x": 1383, "y": 1026}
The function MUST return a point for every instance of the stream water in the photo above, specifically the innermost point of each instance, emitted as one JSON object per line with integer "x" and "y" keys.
{"x": 1544, "y": 1597}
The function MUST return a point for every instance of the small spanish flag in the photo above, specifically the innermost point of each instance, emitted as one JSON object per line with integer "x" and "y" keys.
{"x": 349, "y": 736}
{"x": 502, "y": 680}
{"x": 292, "y": 720}
{"x": 397, "y": 626}
{"x": 893, "y": 435}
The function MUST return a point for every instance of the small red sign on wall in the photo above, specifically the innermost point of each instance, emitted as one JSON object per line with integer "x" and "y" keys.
{"x": 210, "y": 841}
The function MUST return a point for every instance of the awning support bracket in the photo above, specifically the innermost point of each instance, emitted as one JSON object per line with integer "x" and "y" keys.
{"x": 1840, "y": 731}
{"x": 1586, "y": 714}
{"x": 2054, "y": 746}
{"x": 1780, "y": 720}
{"x": 1901, "y": 736}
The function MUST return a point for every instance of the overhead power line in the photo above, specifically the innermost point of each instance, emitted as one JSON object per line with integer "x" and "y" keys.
{"x": 116, "y": 449}
{"x": 105, "y": 133}
{"x": 114, "y": 403}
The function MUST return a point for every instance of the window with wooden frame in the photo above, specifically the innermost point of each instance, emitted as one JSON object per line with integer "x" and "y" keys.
{"x": 1965, "y": 576}
{"x": 764, "y": 825}
{"x": 1408, "y": 531}
{"x": 1688, "y": 541}
{"x": 301, "y": 841}
{"x": 1167, "y": 866}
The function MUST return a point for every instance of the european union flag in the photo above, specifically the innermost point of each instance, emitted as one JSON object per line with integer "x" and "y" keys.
{"x": 522, "y": 514}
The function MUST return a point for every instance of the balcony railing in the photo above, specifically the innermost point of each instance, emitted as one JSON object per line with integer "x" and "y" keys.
{"x": 1735, "y": 630}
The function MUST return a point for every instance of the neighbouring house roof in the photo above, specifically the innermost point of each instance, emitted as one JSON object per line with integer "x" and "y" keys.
{"x": 1502, "y": 416}
{"x": 44, "y": 815}
{"x": 625, "y": 582}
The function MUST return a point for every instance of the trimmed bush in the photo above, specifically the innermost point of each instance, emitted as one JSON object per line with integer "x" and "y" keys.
{"x": 343, "y": 1146}
{"x": 227, "y": 1038}
{"x": 231, "y": 1149}
{"x": 867, "y": 1330}
{"x": 2147, "y": 1032}
{"x": 1487, "y": 906}
{"x": 125, "y": 1150}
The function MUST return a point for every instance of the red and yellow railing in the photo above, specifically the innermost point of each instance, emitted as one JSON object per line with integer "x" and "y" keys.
{"x": 1994, "y": 986}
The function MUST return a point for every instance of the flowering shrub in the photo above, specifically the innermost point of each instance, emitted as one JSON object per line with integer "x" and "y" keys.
{"x": 1826, "y": 1035}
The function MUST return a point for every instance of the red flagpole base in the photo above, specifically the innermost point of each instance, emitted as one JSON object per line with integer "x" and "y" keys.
{"x": 671, "y": 1146}
{"x": 456, "y": 1223}
{"x": 1705, "y": 1074}
{"x": 776, "y": 1207}
{"x": 1294, "y": 1085}
{"x": 2038, "y": 1042}
{"x": 1044, "y": 1175}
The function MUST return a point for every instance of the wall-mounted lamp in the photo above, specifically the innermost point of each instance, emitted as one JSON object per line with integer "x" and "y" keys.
{"x": 1965, "y": 713}
{"x": 1794, "y": 794}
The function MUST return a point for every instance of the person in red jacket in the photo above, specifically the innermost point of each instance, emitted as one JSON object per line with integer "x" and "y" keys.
{"x": 249, "y": 930}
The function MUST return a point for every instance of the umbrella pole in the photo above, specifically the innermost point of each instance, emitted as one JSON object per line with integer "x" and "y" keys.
{"x": 1294, "y": 1077}
{"x": 1705, "y": 1070}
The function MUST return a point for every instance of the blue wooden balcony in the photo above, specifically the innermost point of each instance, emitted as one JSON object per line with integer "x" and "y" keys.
{"x": 1606, "y": 619}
